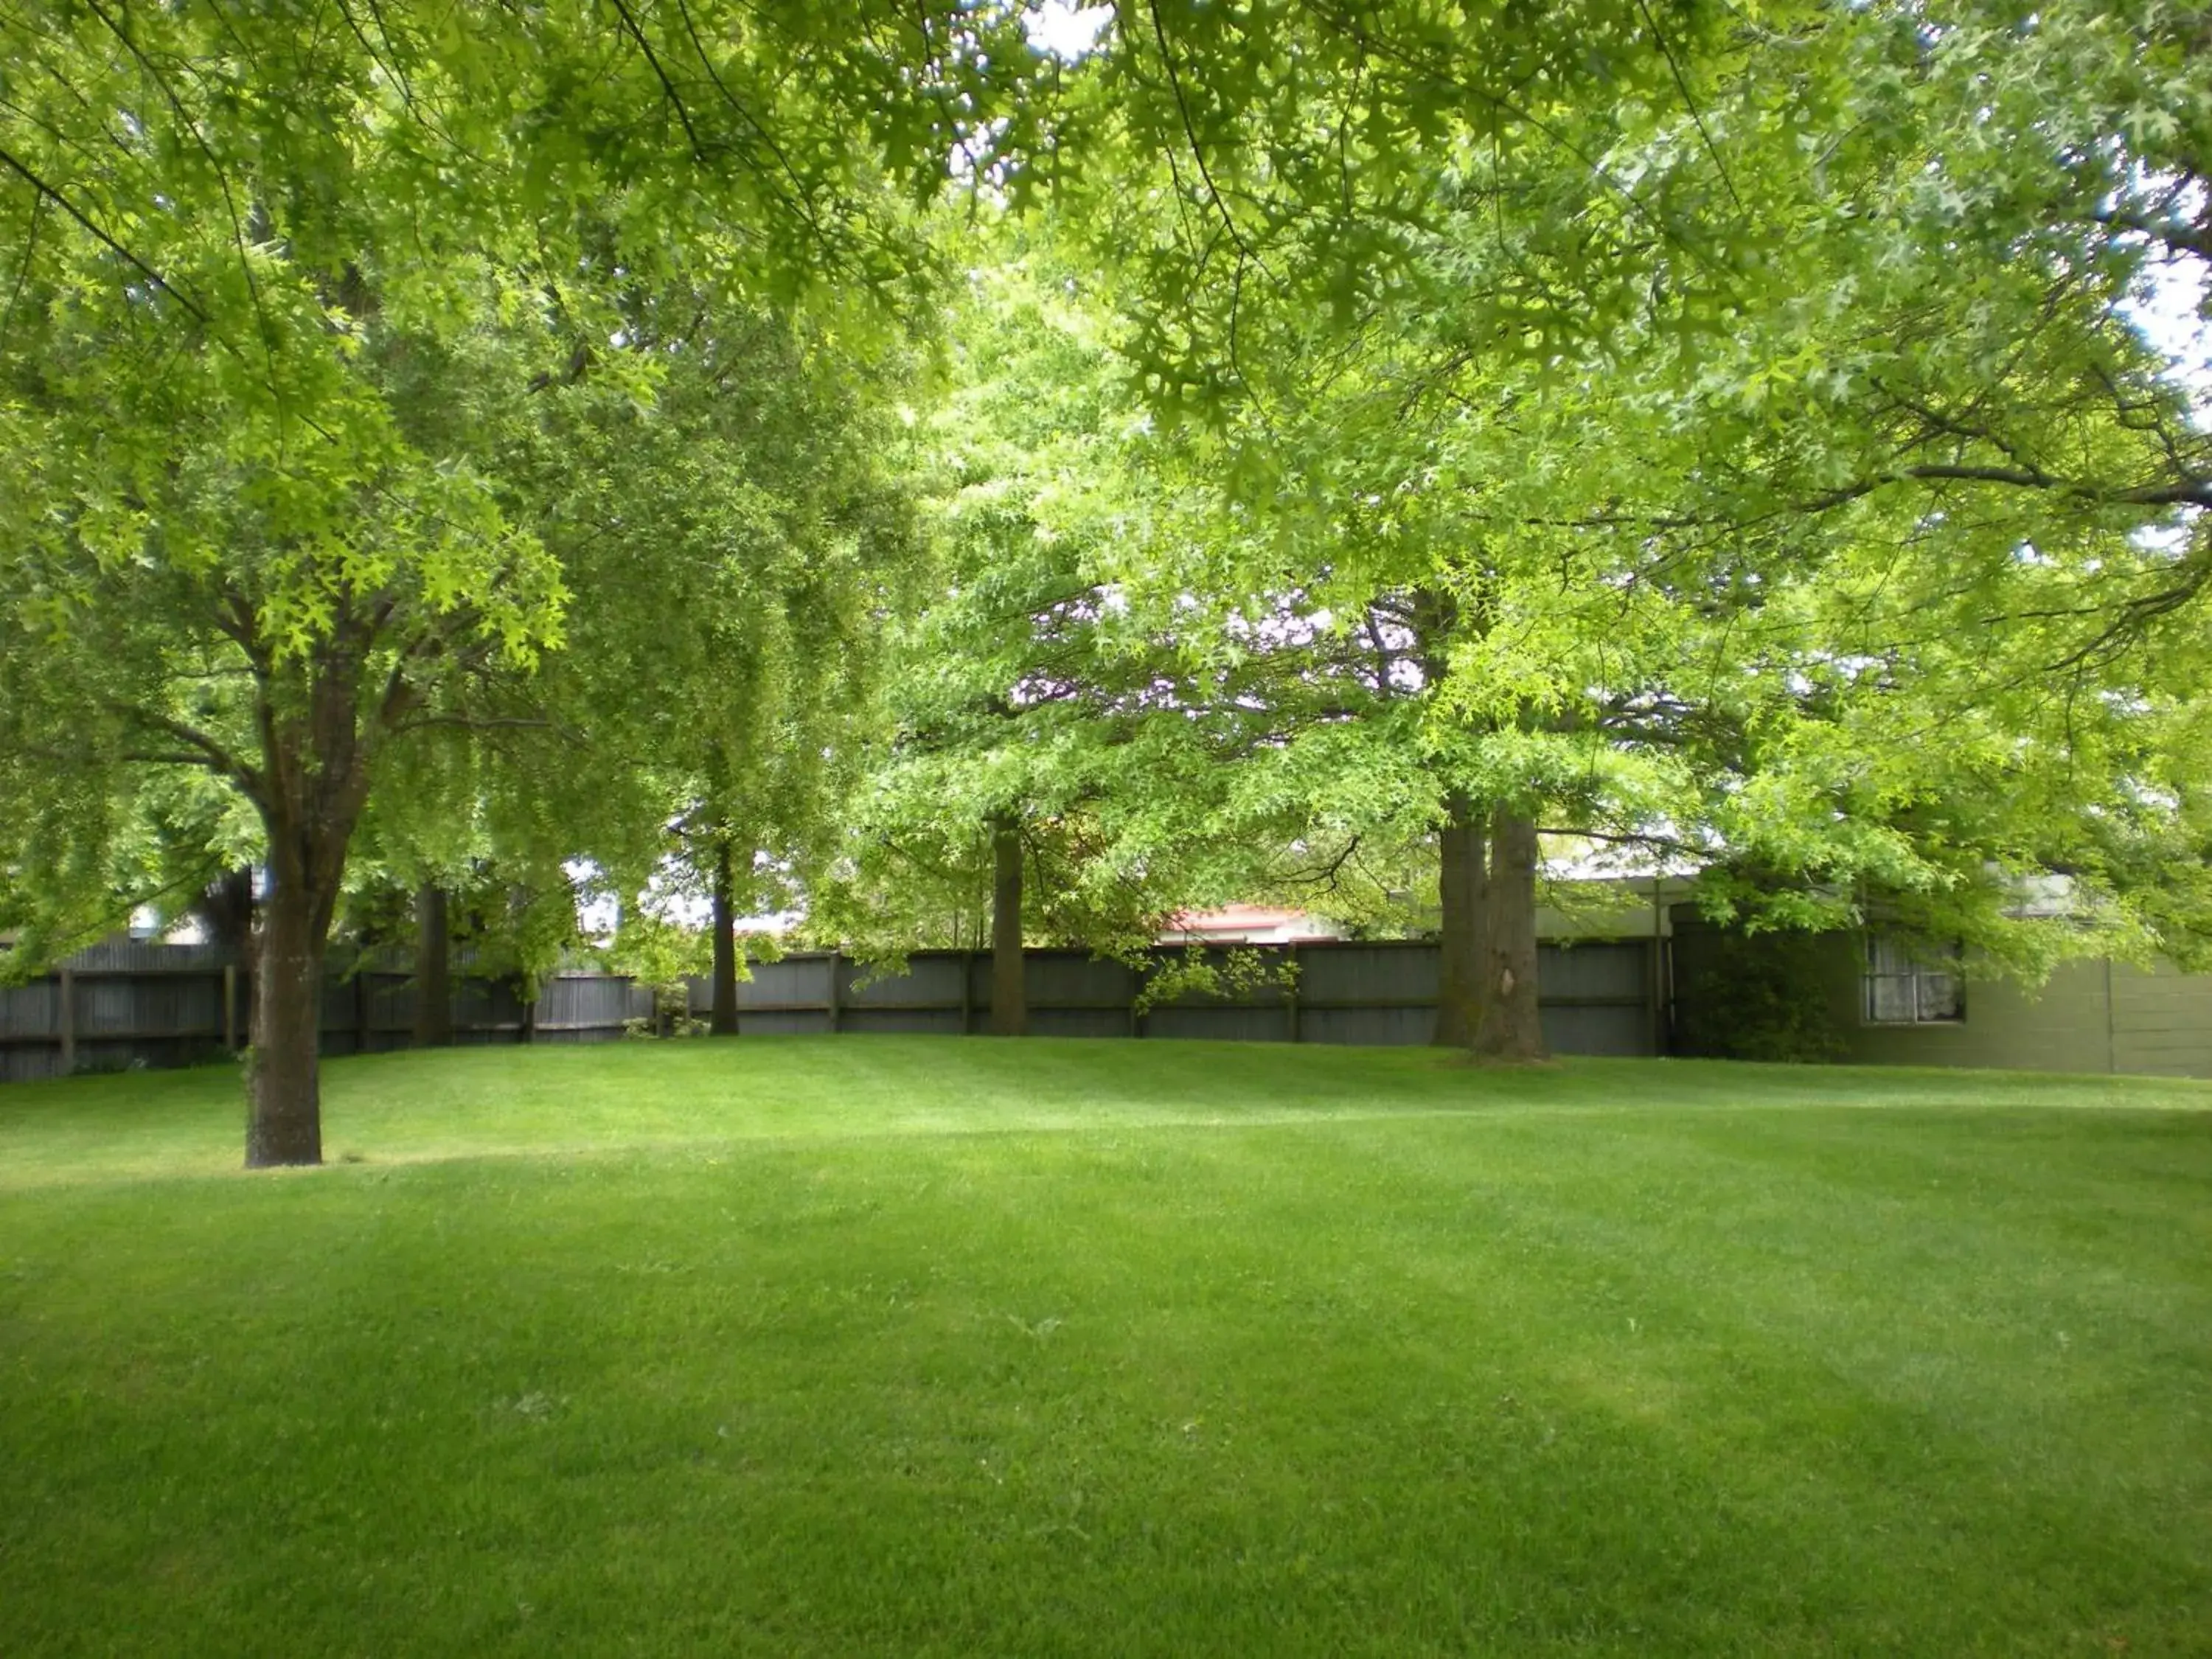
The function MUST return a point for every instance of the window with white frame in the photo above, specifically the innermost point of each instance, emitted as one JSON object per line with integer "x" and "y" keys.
{"x": 1911, "y": 983}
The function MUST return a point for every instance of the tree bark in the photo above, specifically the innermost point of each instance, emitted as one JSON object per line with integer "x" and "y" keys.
{"x": 285, "y": 1123}
{"x": 1010, "y": 1010}
{"x": 1462, "y": 887}
{"x": 723, "y": 1021}
{"x": 310, "y": 788}
{"x": 226, "y": 908}
{"x": 1510, "y": 1027}
{"x": 434, "y": 977}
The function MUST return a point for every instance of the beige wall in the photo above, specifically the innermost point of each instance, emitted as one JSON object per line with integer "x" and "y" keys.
{"x": 2162, "y": 1021}
{"x": 2090, "y": 1016}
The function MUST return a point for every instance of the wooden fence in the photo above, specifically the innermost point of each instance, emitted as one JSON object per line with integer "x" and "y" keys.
{"x": 1598, "y": 998}
{"x": 126, "y": 1004}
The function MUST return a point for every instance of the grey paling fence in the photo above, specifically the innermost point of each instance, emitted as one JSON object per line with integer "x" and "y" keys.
{"x": 370, "y": 1008}
{"x": 1598, "y": 998}
{"x": 120, "y": 1004}
{"x": 127, "y": 1003}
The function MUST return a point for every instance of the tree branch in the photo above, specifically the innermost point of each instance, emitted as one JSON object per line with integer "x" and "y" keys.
{"x": 207, "y": 752}
{"x": 675, "y": 97}
{"x": 2189, "y": 492}
{"x": 105, "y": 240}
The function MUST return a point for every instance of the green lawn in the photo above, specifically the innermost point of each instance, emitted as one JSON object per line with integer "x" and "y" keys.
{"x": 856, "y": 1345}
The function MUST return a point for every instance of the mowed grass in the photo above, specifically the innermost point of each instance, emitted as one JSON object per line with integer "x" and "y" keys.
{"x": 860, "y": 1346}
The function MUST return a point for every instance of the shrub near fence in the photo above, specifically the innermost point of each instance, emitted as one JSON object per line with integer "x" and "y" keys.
{"x": 129, "y": 1004}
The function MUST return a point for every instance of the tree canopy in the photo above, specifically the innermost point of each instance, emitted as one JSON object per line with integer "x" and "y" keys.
{"x": 1730, "y": 431}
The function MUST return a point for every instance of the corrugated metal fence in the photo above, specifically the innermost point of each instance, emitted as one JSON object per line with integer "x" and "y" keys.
{"x": 124, "y": 1005}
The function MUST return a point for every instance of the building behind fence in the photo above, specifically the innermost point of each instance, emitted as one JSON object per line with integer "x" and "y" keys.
{"x": 127, "y": 1003}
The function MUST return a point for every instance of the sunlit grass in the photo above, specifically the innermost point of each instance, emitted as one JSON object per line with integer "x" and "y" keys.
{"x": 858, "y": 1346}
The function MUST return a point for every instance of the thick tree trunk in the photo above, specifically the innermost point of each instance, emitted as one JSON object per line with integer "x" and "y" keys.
{"x": 226, "y": 908}
{"x": 310, "y": 784}
{"x": 434, "y": 974}
{"x": 1461, "y": 886}
{"x": 284, "y": 1122}
{"x": 723, "y": 1020}
{"x": 1010, "y": 1008}
{"x": 1510, "y": 1027}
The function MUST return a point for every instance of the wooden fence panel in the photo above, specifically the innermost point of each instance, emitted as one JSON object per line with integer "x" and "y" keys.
{"x": 926, "y": 1001}
{"x": 30, "y": 1027}
{"x": 911, "y": 1022}
{"x": 1220, "y": 1022}
{"x": 573, "y": 1007}
{"x": 1598, "y": 996}
{"x": 1364, "y": 975}
{"x": 1374, "y": 1027}
{"x": 131, "y": 1004}
{"x": 135, "y": 1003}
{"x": 387, "y": 998}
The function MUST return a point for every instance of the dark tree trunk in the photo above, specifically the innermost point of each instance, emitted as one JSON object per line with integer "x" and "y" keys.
{"x": 310, "y": 789}
{"x": 723, "y": 1020}
{"x": 226, "y": 908}
{"x": 1510, "y": 1027}
{"x": 433, "y": 974}
{"x": 321, "y": 715}
{"x": 285, "y": 1123}
{"x": 1465, "y": 922}
{"x": 1010, "y": 1009}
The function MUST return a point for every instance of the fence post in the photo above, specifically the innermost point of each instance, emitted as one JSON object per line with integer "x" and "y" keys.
{"x": 1137, "y": 996}
{"x": 230, "y": 1008}
{"x": 967, "y": 993}
{"x": 836, "y": 963}
{"x": 1657, "y": 986}
{"x": 68, "y": 1021}
{"x": 1290, "y": 993}
{"x": 1658, "y": 965}
{"x": 363, "y": 995}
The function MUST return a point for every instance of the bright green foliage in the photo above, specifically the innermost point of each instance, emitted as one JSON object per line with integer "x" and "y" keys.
{"x": 187, "y": 586}
{"x": 733, "y": 544}
{"x": 285, "y": 289}
{"x": 1025, "y": 686}
{"x": 665, "y": 956}
{"x": 282, "y": 281}
{"x": 1946, "y": 505}
{"x": 744, "y": 541}
{"x": 1256, "y": 166}
{"x": 1717, "y": 427}
{"x": 1802, "y": 496}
